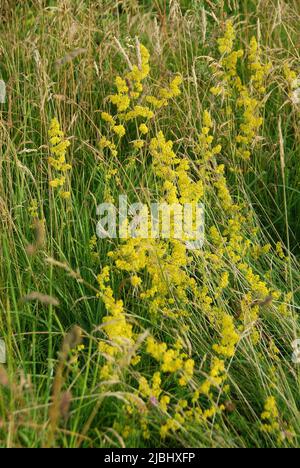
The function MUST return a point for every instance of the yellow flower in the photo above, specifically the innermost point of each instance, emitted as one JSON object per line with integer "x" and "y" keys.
{"x": 121, "y": 101}
{"x": 108, "y": 118}
{"x": 65, "y": 195}
{"x": 138, "y": 144}
{"x": 164, "y": 402}
{"x": 139, "y": 111}
{"x": 121, "y": 85}
{"x": 271, "y": 416}
{"x": 58, "y": 148}
{"x": 118, "y": 330}
{"x": 207, "y": 120}
{"x": 259, "y": 71}
{"x": 136, "y": 281}
{"x": 229, "y": 337}
{"x": 105, "y": 143}
{"x": 119, "y": 130}
{"x": 57, "y": 182}
{"x": 216, "y": 90}
{"x": 143, "y": 129}
{"x": 226, "y": 42}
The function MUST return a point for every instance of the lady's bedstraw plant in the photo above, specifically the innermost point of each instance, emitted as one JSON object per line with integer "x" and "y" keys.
{"x": 165, "y": 277}
{"x": 189, "y": 338}
{"x": 57, "y": 160}
{"x": 247, "y": 97}
{"x": 129, "y": 107}
{"x": 158, "y": 272}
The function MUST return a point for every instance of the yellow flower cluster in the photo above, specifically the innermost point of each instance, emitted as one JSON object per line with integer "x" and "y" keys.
{"x": 164, "y": 157}
{"x": 293, "y": 81}
{"x": 178, "y": 186}
{"x": 232, "y": 86}
{"x": 172, "y": 360}
{"x": 143, "y": 129}
{"x": 58, "y": 149}
{"x": 259, "y": 251}
{"x": 160, "y": 272}
{"x": 139, "y": 72}
{"x": 119, "y": 130}
{"x": 228, "y": 62}
{"x": 231, "y": 244}
{"x": 121, "y": 100}
{"x": 115, "y": 325}
{"x": 205, "y": 148}
{"x": 279, "y": 250}
{"x": 106, "y": 143}
{"x": 271, "y": 416}
{"x": 172, "y": 425}
{"x": 164, "y": 261}
{"x": 129, "y": 90}
{"x": 165, "y": 94}
{"x": 217, "y": 376}
{"x": 257, "y": 286}
{"x": 259, "y": 71}
{"x": 252, "y": 122}
{"x": 138, "y": 144}
{"x": 222, "y": 188}
{"x": 153, "y": 391}
{"x": 229, "y": 338}
{"x": 226, "y": 43}
{"x": 139, "y": 111}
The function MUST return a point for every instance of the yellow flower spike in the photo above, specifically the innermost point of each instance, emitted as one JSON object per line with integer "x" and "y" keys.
{"x": 121, "y": 101}
{"x": 289, "y": 74}
{"x": 229, "y": 338}
{"x": 207, "y": 120}
{"x": 136, "y": 281}
{"x": 121, "y": 85}
{"x": 143, "y": 129}
{"x": 259, "y": 71}
{"x": 65, "y": 195}
{"x": 55, "y": 183}
{"x": 139, "y": 111}
{"x": 279, "y": 250}
{"x": 119, "y": 130}
{"x": 138, "y": 144}
{"x": 58, "y": 148}
{"x": 155, "y": 102}
{"x": 226, "y": 43}
{"x": 164, "y": 402}
{"x": 217, "y": 149}
{"x": 271, "y": 417}
{"x": 232, "y": 85}
{"x": 105, "y": 143}
{"x": 135, "y": 360}
{"x": 115, "y": 325}
{"x": 108, "y": 118}
{"x": 216, "y": 90}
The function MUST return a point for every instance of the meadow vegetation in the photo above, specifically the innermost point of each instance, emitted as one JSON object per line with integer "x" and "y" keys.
{"x": 143, "y": 342}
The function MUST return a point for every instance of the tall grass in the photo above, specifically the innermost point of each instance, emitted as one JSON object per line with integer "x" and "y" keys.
{"x": 60, "y": 59}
